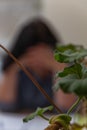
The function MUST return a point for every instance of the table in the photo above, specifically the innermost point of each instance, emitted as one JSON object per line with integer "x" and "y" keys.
{"x": 10, "y": 121}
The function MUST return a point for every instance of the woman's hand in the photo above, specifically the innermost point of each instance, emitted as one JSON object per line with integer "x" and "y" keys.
{"x": 42, "y": 57}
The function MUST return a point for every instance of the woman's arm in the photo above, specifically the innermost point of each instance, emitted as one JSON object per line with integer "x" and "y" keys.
{"x": 64, "y": 101}
{"x": 8, "y": 85}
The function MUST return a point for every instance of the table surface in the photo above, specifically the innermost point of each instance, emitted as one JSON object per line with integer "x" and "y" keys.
{"x": 10, "y": 121}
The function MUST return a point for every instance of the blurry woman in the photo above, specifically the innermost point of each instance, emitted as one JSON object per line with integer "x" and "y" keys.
{"x": 34, "y": 48}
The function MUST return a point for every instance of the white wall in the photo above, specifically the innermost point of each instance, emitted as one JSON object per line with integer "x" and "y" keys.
{"x": 12, "y": 14}
{"x": 69, "y": 17}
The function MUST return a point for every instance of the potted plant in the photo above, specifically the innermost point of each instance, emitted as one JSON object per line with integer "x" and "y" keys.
{"x": 73, "y": 79}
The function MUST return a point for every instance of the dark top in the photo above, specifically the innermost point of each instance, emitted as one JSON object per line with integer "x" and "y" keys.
{"x": 28, "y": 94}
{"x": 29, "y": 97}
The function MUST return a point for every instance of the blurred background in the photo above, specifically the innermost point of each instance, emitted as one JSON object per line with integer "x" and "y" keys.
{"x": 68, "y": 17}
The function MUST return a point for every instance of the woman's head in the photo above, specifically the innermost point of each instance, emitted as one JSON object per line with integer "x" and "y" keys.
{"x": 32, "y": 33}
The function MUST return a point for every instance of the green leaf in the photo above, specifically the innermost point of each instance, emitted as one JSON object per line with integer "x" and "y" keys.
{"x": 29, "y": 117}
{"x": 84, "y": 71}
{"x": 64, "y": 83}
{"x": 69, "y": 55}
{"x": 39, "y": 112}
{"x": 71, "y": 84}
{"x": 74, "y": 69}
{"x": 79, "y": 87}
{"x": 82, "y": 54}
{"x": 69, "y": 46}
{"x": 60, "y": 57}
{"x": 62, "y": 119}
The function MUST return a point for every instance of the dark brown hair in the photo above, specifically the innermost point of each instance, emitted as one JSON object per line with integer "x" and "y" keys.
{"x": 31, "y": 34}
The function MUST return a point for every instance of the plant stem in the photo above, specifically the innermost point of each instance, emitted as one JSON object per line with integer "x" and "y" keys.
{"x": 31, "y": 77}
{"x": 44, "y": 117}
{"x": 78, "y": 73}
{"x": 74, "y": 105}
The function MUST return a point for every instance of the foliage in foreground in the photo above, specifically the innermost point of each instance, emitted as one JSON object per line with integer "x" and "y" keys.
{"x": 73, "y": 79}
